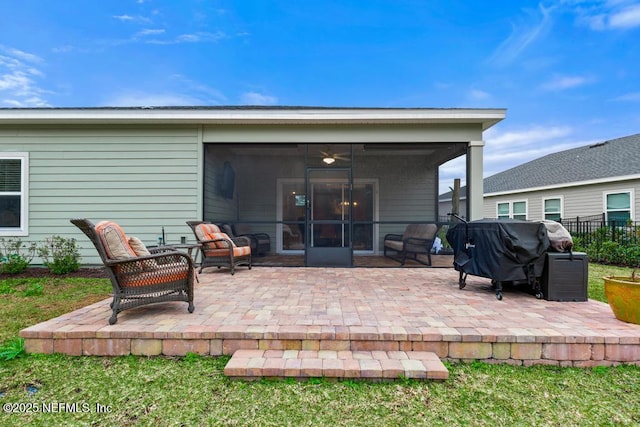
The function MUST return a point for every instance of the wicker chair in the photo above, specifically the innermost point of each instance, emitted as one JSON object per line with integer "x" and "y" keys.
{"x": 220, "y": 250}
{"x": 139, "y": 276}
{"x": 417, "y": 239}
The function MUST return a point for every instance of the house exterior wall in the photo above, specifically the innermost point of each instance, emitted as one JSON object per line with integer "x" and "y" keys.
{"x": 145, "y": 167}
{"x": 579, "y": 200}
{"x": 407, "y": 190}
{"x": 144, "y": 178}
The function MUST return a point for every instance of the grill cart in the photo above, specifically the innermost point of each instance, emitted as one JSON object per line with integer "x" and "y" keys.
{"x": 503, "y": 250}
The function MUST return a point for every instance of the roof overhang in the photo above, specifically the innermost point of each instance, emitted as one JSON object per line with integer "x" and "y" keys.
{"x": 251, "y": 115}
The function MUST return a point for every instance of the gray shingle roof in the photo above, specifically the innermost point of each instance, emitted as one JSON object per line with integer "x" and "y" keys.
{"x": 608, "y": 159}
{"x": 617, "y": 157}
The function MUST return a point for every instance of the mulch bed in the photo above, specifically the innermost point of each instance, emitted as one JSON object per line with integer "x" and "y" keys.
{"x": 35, "y": 272}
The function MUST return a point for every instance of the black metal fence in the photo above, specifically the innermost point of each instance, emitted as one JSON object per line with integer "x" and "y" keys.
{"x": 596, "y": 229}
{"x": 608, "y": 241}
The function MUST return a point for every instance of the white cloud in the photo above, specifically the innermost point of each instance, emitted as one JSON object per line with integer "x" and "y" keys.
{"x": 203, "y": 37}
{"x": 565, "y": 82}
{"x": 21, "y": 55}
{"x": 626, "y": 18}
{"x": 506, "y": 149}
{"x": 478, "y": 94}
{"x": 449, "y": 172}
{"x": 150, "y": 32}
{"x": 255, "y": 98}
{"x": 15, "y": 81}
{"x": 18, "y": 74}
{"x": 124, "y": 17}
{"x": 522, "y": 36}
{"x": 198, "y": 37}
{"x": 631, "y": 96}
{"x": 132, "y": 19}
{"x": 206, "y": 94}
{"x": 178, "y": 90}
{"x": 609, "y": 15}
{"x": 142, "y": 99}
{"x": 517, "y": 138}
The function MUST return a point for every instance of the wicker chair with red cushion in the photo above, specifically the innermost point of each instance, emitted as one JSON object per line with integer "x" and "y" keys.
{"x": 219, "y": 250}
{"x": 139, "y": 276}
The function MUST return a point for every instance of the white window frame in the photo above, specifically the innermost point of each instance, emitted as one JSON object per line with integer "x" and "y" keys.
{"x": 631, "y": 202}
{"x": 23, "y": 229}
{"x": 511, "y": 203}
{"x": 544, "y": 200}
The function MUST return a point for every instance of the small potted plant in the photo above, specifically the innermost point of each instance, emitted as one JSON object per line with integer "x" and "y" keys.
{"x": 623, "y": 295}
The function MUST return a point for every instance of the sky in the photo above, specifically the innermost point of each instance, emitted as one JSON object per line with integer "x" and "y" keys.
{"x": 566, "y": 71}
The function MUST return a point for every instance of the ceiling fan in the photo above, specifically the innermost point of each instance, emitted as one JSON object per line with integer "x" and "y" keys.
{"x": 329, "y": 157}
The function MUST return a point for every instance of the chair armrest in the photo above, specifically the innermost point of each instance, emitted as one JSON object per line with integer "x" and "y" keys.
{"x": 257, "y": 235}
{"x": 161, "y": 249}
{"x": 165, "y": 257}
{"x": 397, "y": 237}
{"x": 243, "y": 240}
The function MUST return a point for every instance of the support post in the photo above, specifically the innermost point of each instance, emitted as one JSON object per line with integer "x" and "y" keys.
{"x": 475, "y": 188}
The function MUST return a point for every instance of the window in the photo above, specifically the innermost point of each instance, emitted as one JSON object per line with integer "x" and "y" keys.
{"x": 519, "y": 210}
{"x": 618, "y": 206}
{"x": 552, "y": 209}
{"x": 504, "y": 210}
{"x": 515, "y": 210}
{"x": 13, "y": 188}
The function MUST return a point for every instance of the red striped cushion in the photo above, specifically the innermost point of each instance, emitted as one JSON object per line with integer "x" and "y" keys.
{"x": 237, "y": 251}
{"x": 222, "y": 244}
{"x": 202, "y": 230}
{"x": 241, "y": 250}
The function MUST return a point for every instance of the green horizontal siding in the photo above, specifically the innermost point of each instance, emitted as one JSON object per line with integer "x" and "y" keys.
{"x": 144, "y": 178}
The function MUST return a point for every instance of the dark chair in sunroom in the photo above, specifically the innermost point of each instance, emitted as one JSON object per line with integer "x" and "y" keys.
{"x": 416, "y": 241}
{"x": 139, "y": 275}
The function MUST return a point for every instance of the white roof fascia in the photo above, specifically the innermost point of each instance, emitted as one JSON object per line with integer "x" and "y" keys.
{"x": 486, "y": 117}
{"x": 565, "y": 185}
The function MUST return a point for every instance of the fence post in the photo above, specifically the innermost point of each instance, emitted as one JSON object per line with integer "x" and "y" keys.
{"x": 613, "y": 231}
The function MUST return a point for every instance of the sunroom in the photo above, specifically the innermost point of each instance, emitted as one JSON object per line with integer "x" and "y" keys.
{"x": 324, "y": 193}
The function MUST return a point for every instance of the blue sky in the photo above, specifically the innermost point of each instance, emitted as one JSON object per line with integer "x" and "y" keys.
{"x": 567, "y": 71}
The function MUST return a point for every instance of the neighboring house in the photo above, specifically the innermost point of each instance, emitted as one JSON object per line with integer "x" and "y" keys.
{"x": 602, "y": 178}
{"x": 323, "y": 182}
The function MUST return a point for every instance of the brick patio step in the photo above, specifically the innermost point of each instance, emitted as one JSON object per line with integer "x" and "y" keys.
{"x": 301, "y": 364}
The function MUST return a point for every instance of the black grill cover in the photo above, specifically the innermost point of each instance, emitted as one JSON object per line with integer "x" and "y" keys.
{"x": 502, "y": 250}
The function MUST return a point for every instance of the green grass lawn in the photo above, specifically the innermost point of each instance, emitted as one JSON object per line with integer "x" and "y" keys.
{"x": 132, "y": 391}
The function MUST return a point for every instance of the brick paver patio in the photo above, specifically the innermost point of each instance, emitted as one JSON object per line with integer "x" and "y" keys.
{"x": 351, "y": 310}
